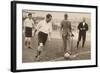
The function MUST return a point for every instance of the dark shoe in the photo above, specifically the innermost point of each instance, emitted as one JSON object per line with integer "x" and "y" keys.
{"x": 82, "y": 46}
{"x": 36, "y": 56}
{"x": 29, "y": 47}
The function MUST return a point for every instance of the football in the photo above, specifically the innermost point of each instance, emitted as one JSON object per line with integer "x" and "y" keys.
{"x": 66, "y": 55}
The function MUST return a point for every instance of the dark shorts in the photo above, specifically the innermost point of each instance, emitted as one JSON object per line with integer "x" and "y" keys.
{"x": 42, "y": 37}
{"x": 28, "y": 32}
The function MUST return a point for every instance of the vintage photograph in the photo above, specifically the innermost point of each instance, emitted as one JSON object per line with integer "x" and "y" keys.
{"x": 48, "y": 36}
{"x": 55, "y": 36}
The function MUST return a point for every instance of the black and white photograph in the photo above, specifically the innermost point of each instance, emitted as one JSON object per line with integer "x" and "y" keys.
{"x": 53, "y": 36}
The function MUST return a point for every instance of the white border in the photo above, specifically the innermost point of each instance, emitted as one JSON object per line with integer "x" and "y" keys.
{"x": 21, "y": 65}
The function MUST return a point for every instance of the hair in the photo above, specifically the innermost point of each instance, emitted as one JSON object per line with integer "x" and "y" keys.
{"x": 29, "y": 14}
{"x": 48, "y": 15}
{"x": 66, "y": 15}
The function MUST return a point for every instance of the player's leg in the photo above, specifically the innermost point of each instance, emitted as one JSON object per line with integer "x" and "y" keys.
{"x": 68, "y": 48}
{"x": 26, "y": 42}
{"x": 26, "y": 39}
{"x": 29, "y": 42}
{"x": 42, "y": 37}
{"x": 29, "y": 37}
{"x": 64, "y": 43}
{"x": 39, "y": 51}
{"x": 84, "y": 37}
{"x": 79, "y": 39}
{"x": 67, "y": 52}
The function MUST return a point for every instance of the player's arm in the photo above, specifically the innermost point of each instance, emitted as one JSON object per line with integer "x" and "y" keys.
{"x": 79, "y": 26}
{"x": 61, "y": 26}
{"x": 35, "y": 31}
{"x": 50, "y": 31}
{"x": 87, "y": 27}
{"x": 33, "y": 25}
{"x": 37, "y": 27}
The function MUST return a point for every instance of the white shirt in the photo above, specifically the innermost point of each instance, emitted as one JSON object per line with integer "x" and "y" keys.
{"x": 28, "y": 22}
{"x": 83, "y": 23}
{"x": 45, "y": 27}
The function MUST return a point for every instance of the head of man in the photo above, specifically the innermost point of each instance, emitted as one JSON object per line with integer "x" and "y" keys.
{"x": 66, "y": 16}
{"x": 84, "y": 19}
{"x": 30, "y": 16}
{"x": 48, "y": 18}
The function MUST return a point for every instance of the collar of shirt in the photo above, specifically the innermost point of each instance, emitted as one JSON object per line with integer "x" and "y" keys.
{"x": 83, "y": 23}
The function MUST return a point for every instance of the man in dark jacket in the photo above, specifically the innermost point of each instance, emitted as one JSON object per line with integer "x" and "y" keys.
{"x": 83, "y": 28}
